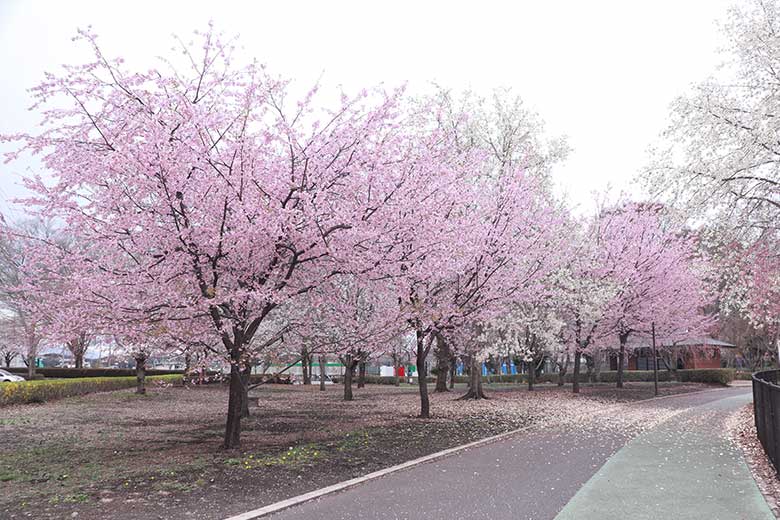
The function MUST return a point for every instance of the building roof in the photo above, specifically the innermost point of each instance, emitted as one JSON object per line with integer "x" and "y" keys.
{"x": 697, "y": 342}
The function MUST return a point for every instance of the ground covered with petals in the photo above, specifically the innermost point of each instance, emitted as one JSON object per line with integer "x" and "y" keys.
{"x": 124, "y": 456}
{"x": 742, "y": 428}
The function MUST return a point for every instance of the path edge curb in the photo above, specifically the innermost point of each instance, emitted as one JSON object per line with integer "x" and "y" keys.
{"x": 318, "y": 493}
{"x": 341, "y": 486}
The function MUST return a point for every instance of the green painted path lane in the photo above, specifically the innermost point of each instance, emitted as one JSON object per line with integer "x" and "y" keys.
{"x": 686, "y": 468}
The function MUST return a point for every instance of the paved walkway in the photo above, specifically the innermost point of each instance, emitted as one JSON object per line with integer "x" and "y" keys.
{"x": 683, "y": 468}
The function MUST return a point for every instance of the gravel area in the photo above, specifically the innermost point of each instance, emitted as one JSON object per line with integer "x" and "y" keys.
{"x": 124, "y": 456}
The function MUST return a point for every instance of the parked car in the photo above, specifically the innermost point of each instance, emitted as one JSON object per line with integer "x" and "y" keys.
{"x": 8, "y": 377}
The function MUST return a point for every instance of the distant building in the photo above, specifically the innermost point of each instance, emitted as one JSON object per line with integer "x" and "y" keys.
{"x": 693, "y": 353}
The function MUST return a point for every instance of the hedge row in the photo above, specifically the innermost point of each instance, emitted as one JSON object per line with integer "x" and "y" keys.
{"x": 378, "y": 380}
{"x": 41, "y": 391}
{"x": 743, "y": 375}
{"x": 715, "y": 375}
{"x": 721, "y": 376}
{"x": 382, "y": 380}
{"x": 66, "y": 373}
{"x": 89, "y": 372}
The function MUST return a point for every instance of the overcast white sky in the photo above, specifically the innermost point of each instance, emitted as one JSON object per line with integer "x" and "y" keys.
{"x": 600, "y": 72}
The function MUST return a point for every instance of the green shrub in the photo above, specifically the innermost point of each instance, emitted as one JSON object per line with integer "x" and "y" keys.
{"x": 610, "y": 376}
{"x": 41, "y": 391}
{"x": 606, "y": 376}
{"x": 380, "y": 380}
{"x": 722, "y": 376}
{"x": 743, "y": 375}
{"x": 90, "y": 372}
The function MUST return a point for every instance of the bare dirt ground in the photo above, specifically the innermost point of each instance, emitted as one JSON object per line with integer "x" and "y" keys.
{"x": 743, "y": 431}
{"x": 121, "y": 456}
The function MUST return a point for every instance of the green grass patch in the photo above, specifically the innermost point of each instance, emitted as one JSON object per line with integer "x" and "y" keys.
{"x": 295, "y": 456}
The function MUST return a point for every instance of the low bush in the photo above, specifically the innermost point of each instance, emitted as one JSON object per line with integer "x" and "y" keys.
{"x": 380, "y": 380}
{"x": 606, "y": 376}
{"x": 610, "y": 376}
{"x": 743, "y": 375}
{"x": 89, "y": 372}
{"x": 721, "y": 376}
{"x": 42, "y": 391}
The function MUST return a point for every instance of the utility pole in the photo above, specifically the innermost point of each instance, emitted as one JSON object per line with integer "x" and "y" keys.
{"x": 655, "y": 361}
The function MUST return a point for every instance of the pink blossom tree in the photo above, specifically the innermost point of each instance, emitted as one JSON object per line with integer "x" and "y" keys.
{"x": 206, "y": 196}
{"x": 654, "y": 271}
{"x": 472, "y": 267}
{"x": 751, "y": 283}
{"x": 24, "y": 328}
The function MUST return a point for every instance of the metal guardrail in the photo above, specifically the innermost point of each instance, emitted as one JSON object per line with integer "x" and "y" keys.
{"x": 766, "y": 409}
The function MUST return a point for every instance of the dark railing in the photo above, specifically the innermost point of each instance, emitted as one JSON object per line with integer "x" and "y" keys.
{"x": 766, "y": 408}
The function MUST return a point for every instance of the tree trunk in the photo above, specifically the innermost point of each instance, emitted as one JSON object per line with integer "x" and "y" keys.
{"x": 31, "y": 364}
{"x": 422, "y": 381}
{"x": 442, "y": 364}
{"x": 576, "y": 374}
{"x": 475, "y": 382}
{"x": 597, "y": 366}
{"x": 322, "y": 372}
{"x": 467, "y": 369}
{"x": 531, "y": 376}
{"x": 348, "y": 368}
{"x": 589, "y": 365}
{"x": 361, "y": 373}
{"x": 245, "y": 380}
{"x": 140, "y": 374}
{"x": 453, "y": 371}
{"x": 562, "y": 371}
{"x": 621, "y": 360}
{"x": 79, "y": 360}
{"x": 236, "y": 393}
{"x": 305, "y": 362}
{"x": 396, "y": 367}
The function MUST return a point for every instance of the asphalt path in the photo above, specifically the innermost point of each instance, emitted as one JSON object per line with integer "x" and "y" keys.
{"x": 546, "y": 474}
{"x": 685, "y": 468}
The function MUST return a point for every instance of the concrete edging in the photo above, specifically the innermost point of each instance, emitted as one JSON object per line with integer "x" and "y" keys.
{"x": 313, "y": 495}
{"x": 318, "y": 493}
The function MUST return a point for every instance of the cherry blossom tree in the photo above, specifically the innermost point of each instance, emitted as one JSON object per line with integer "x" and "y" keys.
{"x": 350, "y": 320}
{"x": 501, "y": 124}
{"x": 8, "y": 350}
{"x": 751, "y": 281}
{"x": 23, "y": 327}
{"x": 472, "y": 268}
{"x": 653, "y": 269}
{"x": 719, "y": 161}
{"x": 207, "y": 196}
{"x": 529, "y": 333}
{"x": 720, "y": 152}
{"x": 585, "y": 290}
